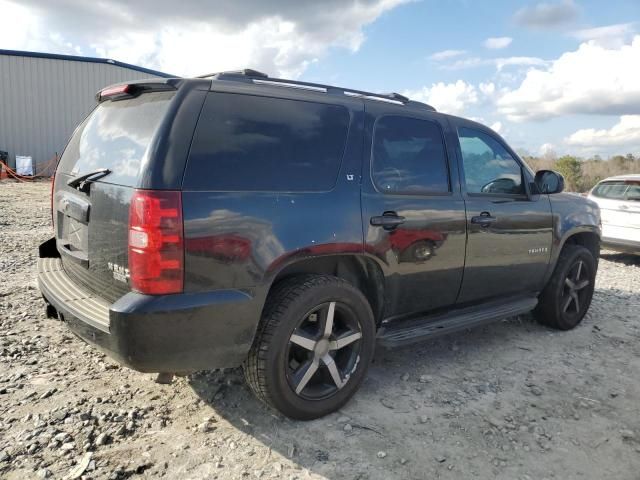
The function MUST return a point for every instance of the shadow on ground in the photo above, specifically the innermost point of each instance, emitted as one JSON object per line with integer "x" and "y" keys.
{"x": 623, "y": 258}
{"x": 403, "y": 387}
{"x": 477, "y": 404}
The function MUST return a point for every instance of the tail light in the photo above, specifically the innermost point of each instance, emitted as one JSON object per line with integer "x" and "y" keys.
{"x": 156, "y": 242}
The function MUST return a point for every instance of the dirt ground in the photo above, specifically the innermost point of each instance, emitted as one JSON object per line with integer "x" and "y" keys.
{"x": 514, "y": 400}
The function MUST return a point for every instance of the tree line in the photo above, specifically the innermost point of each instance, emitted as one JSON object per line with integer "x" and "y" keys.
{"x": 580, "y": 174}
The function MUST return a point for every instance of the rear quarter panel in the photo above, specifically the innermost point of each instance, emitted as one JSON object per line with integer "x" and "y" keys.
{"x": 241, "y": 240}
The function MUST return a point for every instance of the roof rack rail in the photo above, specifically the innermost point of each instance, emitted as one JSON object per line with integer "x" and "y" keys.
{"x": 397, "y": 96}
{"x": 247, "y": 72}
{"x": 254, "y": 76}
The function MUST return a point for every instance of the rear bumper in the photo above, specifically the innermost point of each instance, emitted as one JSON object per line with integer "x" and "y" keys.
{"x": 170, "y": 333}
{"x": 627, "y": 246}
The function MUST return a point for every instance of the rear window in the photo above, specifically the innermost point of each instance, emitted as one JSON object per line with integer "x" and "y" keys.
{"x": 250, "y": 143}
{"x": 618, "y": 190}
{"x": 116, "y": 136}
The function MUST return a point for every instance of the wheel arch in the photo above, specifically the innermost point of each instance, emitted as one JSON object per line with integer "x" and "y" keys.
{"x": 588, "y": 239}
{"x": 359, "y": 270}
{"x": 587, "y": 236}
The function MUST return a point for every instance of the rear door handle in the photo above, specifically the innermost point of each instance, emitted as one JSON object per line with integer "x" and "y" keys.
{"x": 388, "y": 221}
{"x": 484, "y": 219}
{"x": 76, "y": 256}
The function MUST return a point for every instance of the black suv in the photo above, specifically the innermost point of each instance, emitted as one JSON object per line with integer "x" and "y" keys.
{"x": 237, "y": 219}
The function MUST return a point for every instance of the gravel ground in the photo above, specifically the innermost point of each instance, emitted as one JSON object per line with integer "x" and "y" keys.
{"x": 513, "y": 400}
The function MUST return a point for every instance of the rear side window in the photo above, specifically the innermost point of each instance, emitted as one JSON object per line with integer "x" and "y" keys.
{"x": 618, "y": 190}
{"x": 250, "y": 143}
{"x": 116, "y": 136}
{"x": 408, "y": 156}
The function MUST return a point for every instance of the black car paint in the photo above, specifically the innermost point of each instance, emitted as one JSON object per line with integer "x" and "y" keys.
{"x": 499, "y": 259}
{"x": 406, "y": 283}
{"x": 281, "y": 227}
{"x": 259, "y": 235}
{"x": 570, "y": 221}
{"x": 107, "y": 235}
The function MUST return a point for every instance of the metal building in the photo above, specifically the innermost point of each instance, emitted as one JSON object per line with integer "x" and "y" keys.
{"x": 44, "y": 96}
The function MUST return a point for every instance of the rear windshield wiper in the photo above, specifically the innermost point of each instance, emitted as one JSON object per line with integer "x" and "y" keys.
{"x": 82, "y": 181}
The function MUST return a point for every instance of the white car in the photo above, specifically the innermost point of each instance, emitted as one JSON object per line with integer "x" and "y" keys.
{"x": 619, "y": 202}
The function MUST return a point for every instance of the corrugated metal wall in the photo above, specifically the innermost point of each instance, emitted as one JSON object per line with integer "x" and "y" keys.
{"x": 42, "y": 100}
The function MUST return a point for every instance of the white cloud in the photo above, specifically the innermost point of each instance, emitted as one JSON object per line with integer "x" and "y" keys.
{"x": 499, "y": 63}
{"x": 609, "y": 35}
{"x": 519, "y": 61}
{"x": 625, "y": 133}
{"x": 496, "y": 43}
{"x": 547, "y": 150}
{"x": 477, "y": 119}
{"x": 488, "y": 89}
{"x": 496, "y": 126}
{"x": 591, "y": 80}
{"x": 281, "y": 37}
{"x": 450, "y": 98}
{"x": 23, "y": 30}
{"x": 547, "y": 15}
{"x": 447, "y": 54}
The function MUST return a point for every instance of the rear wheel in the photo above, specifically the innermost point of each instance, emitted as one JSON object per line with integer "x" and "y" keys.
{"x": 567, "y": 297}
{"x": 313, "y": 347}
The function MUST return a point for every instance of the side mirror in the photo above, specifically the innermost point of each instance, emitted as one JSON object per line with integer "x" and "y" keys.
{"x": 548, "y": 181}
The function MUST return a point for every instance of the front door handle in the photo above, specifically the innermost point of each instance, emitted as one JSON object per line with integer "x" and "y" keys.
{"x": 484, "y": 219}
{"x": 388, "y": 221}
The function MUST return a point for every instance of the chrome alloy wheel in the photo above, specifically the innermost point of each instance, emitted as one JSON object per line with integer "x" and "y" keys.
{"x": 323, "y": 351}
{"x": 574, "y": 290}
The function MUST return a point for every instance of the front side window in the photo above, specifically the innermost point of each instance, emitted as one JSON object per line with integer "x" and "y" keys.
{"x": 488, "y": 167}
{"x": 409, "y": 157}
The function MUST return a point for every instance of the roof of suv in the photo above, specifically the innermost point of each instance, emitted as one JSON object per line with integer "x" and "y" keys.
{"x": 262, "y": 79}
{"x": 252, "y": 81}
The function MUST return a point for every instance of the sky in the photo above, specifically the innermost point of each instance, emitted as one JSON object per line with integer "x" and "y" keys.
{"x": 557, "y": 76}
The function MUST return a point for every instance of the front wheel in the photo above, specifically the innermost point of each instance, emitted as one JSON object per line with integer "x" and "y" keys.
{"x": 313, "y": 346}
{"x": 567, "y": 297}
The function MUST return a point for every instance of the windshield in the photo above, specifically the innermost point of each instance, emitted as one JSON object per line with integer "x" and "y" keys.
{"x": 116, "y": 136}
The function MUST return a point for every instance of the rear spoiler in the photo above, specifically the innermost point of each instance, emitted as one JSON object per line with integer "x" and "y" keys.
{"x": 133, "y": 89}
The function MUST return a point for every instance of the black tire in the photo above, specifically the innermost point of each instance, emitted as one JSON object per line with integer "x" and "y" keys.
{"x": 287, "y": 318}
{"x": 557, "y": 306}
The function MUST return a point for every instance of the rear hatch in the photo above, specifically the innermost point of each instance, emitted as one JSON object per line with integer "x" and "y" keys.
{"x": 111, "y": 151}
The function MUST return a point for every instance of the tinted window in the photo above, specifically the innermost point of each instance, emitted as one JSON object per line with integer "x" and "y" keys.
{"x": 618, "y": 190}
{"x": 488, "y": 167}
{"x": 409, "y": 156}
{"x": 116, "y": 136}
{"x": 254, "y": 143}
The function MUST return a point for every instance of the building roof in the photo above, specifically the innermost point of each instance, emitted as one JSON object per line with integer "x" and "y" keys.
{"x": 75, "y": 58}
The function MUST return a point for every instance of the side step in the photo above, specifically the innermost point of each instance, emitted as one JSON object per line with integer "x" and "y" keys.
{"x": 406, "y": 332}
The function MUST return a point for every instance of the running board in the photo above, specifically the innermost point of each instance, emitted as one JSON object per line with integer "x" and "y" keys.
{"x": 405, "y": 332}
